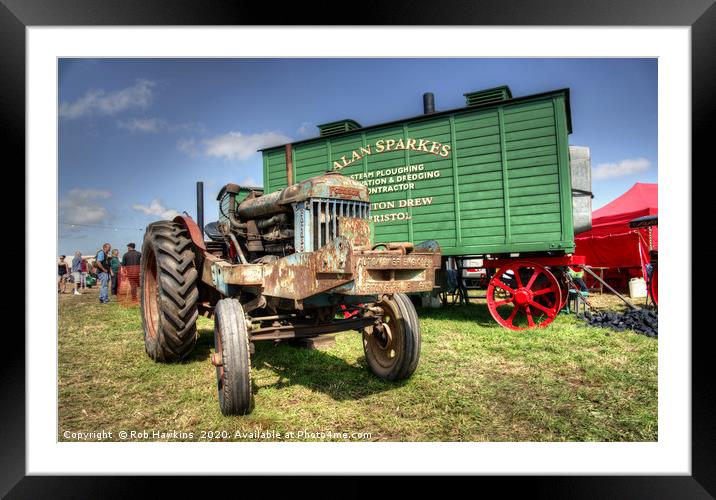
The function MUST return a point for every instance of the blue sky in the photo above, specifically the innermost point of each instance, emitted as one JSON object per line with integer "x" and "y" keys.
{"x": 136, "y": 134}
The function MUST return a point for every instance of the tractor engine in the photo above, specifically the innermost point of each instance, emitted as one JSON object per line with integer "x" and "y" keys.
{"x": 303, "y": 217}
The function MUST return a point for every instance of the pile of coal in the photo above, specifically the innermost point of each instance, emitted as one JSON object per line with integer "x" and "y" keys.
{"x": 644, "y": 321}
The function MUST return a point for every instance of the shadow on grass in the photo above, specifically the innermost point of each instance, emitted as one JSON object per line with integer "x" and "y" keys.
{"x": 317, "y": 370}
{"x": 202, "y": 349}
{"x": 477, "y": 314}
{"x": 474, "y": 313}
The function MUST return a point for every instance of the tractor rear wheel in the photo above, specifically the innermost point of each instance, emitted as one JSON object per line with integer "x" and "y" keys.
{"x": 168, "y": 291}
{"x": 232, "y": 358}
{"x": 392, "y": 347}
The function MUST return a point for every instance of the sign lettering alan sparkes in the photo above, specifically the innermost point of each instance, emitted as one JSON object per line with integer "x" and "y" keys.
{"x": 386, "y": 145}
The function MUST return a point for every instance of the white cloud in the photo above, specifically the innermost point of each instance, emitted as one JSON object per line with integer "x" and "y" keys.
{"x": 250, "y": 182}
{"x": 151, "y": 125}
{"x": 155, "y": 125}
{"x": 305, "y": 129}
{"x": 81, "y": 206}
{"x": 156, "y": 208}
{"x": 98, "y": 101}
{"x": 620, "y": 169}
{"x": 189, "y": 127}
{"x": 187, "y": 146}
{"x": 238, "y": 146}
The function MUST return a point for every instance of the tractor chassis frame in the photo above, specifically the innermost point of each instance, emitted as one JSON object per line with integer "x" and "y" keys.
{"x": 306, "y": 329}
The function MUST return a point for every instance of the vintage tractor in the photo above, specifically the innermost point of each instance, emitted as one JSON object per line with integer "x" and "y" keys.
{"x": 284, "y": 265}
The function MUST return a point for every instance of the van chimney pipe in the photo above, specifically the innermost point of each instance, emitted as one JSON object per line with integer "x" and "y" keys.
{"x": 428, "y": 103}
{"x": 200, "y": 206}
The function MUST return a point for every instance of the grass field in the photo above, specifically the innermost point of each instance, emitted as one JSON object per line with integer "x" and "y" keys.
{"x": 475, "y": 382}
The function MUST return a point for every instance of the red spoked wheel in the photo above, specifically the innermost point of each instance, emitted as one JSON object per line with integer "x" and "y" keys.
{"x": 524, "y": 295}
{"x": 654, "y": 286}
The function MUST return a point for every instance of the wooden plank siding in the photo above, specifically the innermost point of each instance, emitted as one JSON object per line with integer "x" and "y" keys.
{"x": 504, "y": 187}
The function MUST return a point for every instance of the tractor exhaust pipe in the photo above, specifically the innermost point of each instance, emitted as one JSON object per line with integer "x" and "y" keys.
{"x": 200, "y": 206}
{"x": 428, "y": 103}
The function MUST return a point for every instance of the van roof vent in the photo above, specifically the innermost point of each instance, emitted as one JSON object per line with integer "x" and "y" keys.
{"x": 338, "y": 127}
{"x": 488, "y": 95}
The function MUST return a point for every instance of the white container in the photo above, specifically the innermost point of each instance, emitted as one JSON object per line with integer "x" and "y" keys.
{"x": 637, "y": 288}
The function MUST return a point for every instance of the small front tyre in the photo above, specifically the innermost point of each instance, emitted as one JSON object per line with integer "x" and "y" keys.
{"x": 232, "y": 358}
{"x": 392, "y": 347}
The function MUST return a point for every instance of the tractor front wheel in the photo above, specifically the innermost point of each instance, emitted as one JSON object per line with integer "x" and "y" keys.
{"x": 168, "y": 291}
{"x": 232, "y": 358}
{"x": 392, "y": 347}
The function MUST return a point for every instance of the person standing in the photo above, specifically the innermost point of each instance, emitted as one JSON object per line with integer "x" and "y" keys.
{"x": 83, "y": 274}
{"x": 132, "y": 257}
{"x": 130, "y": 263}
{"x": 77, "y": 272}
{"x": 63, "y": 271}
{"x": 103, "y": 270}
{"x": 114, "y": 269}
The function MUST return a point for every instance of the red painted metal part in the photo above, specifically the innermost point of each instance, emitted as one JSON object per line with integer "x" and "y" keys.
{"x": 349, "y": 314}
{"x": 560, "y": 260}
{"x": 654, "y": 286}
{"x": 195, "y": 233}
{"x": 533, "y": 293}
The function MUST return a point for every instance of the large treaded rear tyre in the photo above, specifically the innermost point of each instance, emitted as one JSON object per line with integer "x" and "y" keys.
{"x": 233, "y": 375}
{"x": 393, "y": 353}
{"x": 169, "y": 292}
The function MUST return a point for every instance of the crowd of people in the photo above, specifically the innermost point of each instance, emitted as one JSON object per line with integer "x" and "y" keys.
{"x": 105, "y": 268}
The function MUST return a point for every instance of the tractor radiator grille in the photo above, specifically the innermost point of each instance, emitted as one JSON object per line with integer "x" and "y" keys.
{"x": 325, "y": 215}
{"x": 316, "y": 220}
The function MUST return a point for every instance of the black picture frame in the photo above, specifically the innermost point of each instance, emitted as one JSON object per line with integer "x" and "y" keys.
{"x": 16, "y": 15}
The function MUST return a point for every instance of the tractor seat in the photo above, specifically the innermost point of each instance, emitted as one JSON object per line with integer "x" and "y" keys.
{"x": 212, "y": 231}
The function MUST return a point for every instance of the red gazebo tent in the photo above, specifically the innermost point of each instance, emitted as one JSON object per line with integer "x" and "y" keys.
{"x": 612, "y": 243}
